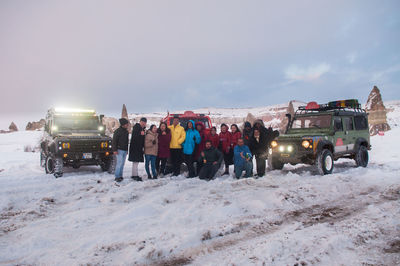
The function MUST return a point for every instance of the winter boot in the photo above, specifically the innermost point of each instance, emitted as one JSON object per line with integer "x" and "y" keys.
{"x": 119, "y": 179}
{"x": 149, "y": 177}
{"x": 136, "y": 178}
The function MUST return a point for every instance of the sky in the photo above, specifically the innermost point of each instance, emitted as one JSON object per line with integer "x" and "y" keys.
{"x": 174, "y": 55}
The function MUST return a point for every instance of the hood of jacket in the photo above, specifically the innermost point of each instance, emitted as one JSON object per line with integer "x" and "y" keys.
{"x": 259, "y": 121}
{"x": 194, "y": 125}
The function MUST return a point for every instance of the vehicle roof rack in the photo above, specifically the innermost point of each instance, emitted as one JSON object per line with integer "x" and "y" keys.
{"x": 351, "y": 105}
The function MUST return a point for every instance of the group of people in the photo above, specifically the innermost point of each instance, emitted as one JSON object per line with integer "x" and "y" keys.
{"x": 192, "y": 145}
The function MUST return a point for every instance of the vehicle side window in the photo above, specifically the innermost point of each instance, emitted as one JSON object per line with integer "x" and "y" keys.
{"x": 348, "y": 121}
{"x": 361, "y": 122}
{"x": 338, "y": 124}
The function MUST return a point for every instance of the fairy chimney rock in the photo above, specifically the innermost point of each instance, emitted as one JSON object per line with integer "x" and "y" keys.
{"x": 124, "y": 113}
{"x": 13, "y": 127}
{"x": 35, "y": 125}
{"x": 377, "y": 112}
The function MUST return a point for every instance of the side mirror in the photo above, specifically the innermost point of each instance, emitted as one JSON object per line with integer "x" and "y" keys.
{"x": 101, "y": 119}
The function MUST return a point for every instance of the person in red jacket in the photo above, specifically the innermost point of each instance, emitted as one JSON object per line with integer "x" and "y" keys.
{"x": 164, "y": 139}
{"x": 200, "y": 147}
{"x": 225, "y": 147}
{"x": 236, "y": 134}
{"x": 213, "y": 137}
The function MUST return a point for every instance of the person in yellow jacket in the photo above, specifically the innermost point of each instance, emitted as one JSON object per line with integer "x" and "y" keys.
{"x": 178, "y": 136}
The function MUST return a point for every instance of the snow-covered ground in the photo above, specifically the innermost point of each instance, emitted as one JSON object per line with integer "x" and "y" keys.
{"x": 288, "y": 217}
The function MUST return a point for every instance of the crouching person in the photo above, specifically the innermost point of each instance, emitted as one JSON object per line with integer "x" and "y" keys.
{"x": 243, "y": 159}
{"x": 211, "y": 159}
{"x": 120, "y": 147}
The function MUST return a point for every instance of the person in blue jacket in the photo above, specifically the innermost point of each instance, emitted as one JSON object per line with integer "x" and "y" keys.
{"x": 192, "y": 138}
{"x": 242, "y": 159}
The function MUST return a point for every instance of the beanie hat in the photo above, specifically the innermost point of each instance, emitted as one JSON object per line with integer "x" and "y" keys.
{"x": 143, "y": 119}
{"x": 247, "y": 124}
{"x": 123, "y": 121}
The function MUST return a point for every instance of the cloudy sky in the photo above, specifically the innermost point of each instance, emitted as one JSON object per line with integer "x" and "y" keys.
{"x": 159, "y": 55}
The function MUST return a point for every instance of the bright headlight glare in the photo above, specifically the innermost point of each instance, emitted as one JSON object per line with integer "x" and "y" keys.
{"x": 290, "y": 148}
{"x": 54, "y": 128}
{"x": 101, "y": 128}
{"x": 305, "y": 144}
{"x": 270, "y": 151}
{"x": 281, "y": 148}
{"x": 274, "y": 143}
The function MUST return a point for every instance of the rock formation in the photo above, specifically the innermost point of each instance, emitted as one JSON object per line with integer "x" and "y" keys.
{"x": 124, "y": 113}
{"x": 377, "y": 112}
{"x": 13, "y": 127}
{"x": 111, "y": 124}
{"x": 35, "y": 125}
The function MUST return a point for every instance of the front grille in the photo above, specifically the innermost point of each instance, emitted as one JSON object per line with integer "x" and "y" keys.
{"x": 85, "y": 146}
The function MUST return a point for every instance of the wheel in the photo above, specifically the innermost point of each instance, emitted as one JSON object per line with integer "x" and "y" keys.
{"x": 42, "y": 160}
{"x": 362, "y": 157}
{"x": 325, "y": 162}
{"x": 108, "y": 165}
{"x": 49, "y": 165}
{"x": 58, "y": 167}
{"x": 275, "y": 164}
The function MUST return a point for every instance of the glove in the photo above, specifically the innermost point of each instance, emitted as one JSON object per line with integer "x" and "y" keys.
{"x": 194, "y": 138}
{"x": 154, "y": 142}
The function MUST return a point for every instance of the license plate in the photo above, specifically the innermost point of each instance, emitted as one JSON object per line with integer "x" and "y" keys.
{"x": 285, "y": 155}
{"x": 87, "y": 156}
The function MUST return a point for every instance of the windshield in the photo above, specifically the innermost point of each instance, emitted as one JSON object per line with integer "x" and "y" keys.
{"x": 315, "y": 121}
{"x": 183, "y": 121}
{"x": 64, "y": 123}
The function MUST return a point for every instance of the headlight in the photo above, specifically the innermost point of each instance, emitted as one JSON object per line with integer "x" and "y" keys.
{"x": 66, "y": 145}
{"x": 290, "y": 148}
{"x": 54, "y": 128}
{"x": 270, "y": 151}
{"x": 305, "y": 144}
{"x": 281, "y": 148}
{"x": 101, "y": 128}
{"x": 274, "y": 144}
{"x": 104, "y": 145}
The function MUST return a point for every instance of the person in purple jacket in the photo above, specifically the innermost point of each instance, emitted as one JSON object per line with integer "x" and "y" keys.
{"x": 164, "y": 139}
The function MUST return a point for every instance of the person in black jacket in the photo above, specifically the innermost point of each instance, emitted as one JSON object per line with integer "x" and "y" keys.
{"x": 120, "y": 147}
{"x": 247, "y": 133}
{"x": 211, "y": 159}
{"x": 136, "y": 148}
{"x": 259, "y": 144}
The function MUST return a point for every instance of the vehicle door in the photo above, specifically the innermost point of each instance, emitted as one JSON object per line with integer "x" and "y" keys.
{"x": 350, "y": 138}
{"x": 340, "y": 136}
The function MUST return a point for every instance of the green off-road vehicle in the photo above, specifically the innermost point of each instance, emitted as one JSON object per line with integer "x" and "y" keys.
{"x": 321, "y": 134}
{"x": 73, "y": 138}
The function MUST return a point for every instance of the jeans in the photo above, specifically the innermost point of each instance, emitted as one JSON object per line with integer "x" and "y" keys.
{"x": 119, "y": 168}
{"x": 247, "y": 166}
{"x": 150, "y": 159}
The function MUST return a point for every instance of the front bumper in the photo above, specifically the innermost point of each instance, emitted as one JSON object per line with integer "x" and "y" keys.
{"x": 292, "y": 155}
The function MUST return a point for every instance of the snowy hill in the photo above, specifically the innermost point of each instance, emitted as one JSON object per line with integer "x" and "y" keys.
{"x": 288, "y": 217}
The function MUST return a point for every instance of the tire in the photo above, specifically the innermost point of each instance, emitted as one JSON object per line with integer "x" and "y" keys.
{"x": 274, "y": 164}
{"x": 42, "y": 160}
{"x": 362, "y": 157}
{"x": 325, "y": 162}
{"x": 49, "y": 165}
{"x": 108, "y": 165}
{"x": 58, "y": 167}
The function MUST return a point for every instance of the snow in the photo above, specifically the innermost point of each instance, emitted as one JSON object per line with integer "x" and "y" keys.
{"x": 288, "y": 217}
